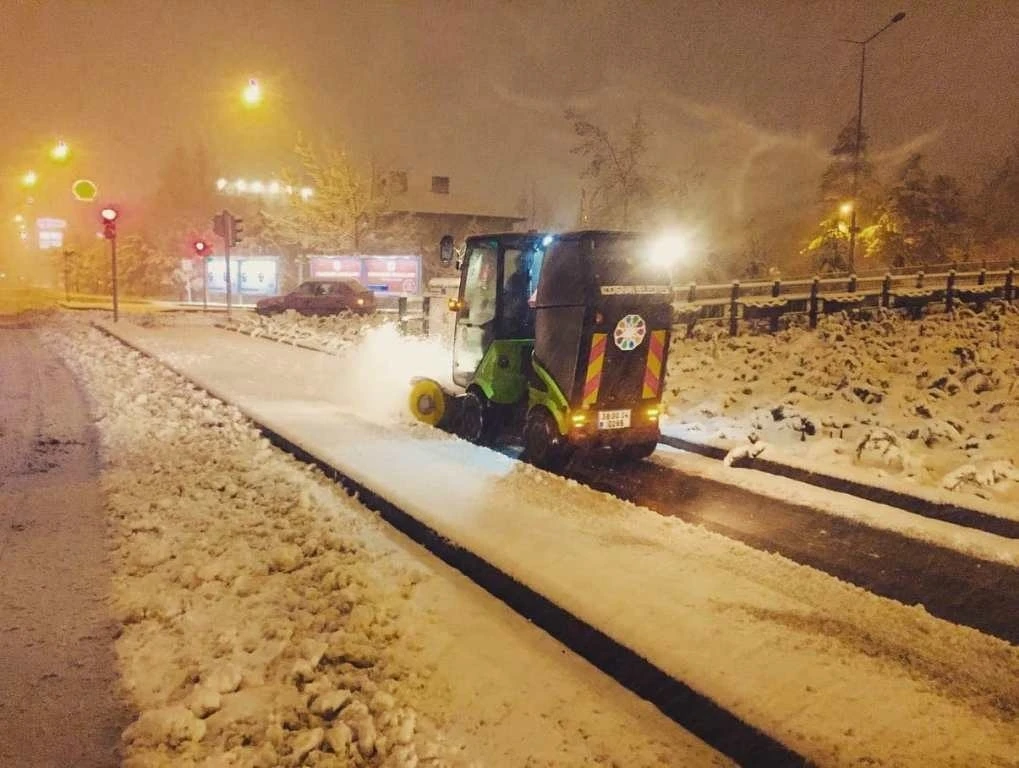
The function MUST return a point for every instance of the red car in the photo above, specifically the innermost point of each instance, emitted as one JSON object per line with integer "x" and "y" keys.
{"x": 326, "y": 296}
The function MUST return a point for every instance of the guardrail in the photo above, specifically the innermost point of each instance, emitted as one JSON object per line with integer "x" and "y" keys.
{"x": 771, "y": 300}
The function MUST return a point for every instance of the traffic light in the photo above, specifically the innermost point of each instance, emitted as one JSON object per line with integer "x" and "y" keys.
{"x": 109, "y": 218}
{"x": 236, "y": 228}
{"x": 201, "y": 248}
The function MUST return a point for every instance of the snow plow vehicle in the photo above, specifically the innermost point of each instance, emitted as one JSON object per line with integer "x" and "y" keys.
{"x": 560, "y": 344}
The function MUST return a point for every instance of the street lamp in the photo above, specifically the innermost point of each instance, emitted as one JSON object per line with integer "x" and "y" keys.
{"x": 60, "y": 151}
{"x": 252, "y": 93}
{"x": 859, "y": 132}
{"x": 29, "y": 179}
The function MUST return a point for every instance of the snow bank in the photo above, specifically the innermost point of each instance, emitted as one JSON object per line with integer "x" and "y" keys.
{"x": 254, "y": 630}
{"x": 933, "y": 402}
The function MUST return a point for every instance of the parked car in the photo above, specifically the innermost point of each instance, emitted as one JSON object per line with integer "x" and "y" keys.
{"x": 321, "y": 297}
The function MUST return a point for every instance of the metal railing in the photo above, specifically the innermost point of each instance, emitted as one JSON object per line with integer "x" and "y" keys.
{"x": 770, "y": 300}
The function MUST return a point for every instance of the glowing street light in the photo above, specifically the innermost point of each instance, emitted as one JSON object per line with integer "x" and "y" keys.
{"x": 274, "y": 187}
{"x": 19, "y": 219}
{"x": 846, "y": 208}
{"x": 306, "y": 193}
{"x": 241, "y": 185}
{"x": 60, "y": 151}
{"x": 29, "y": 179}
{"x": 252, "y": 94}
{"x": 221, "y": 184}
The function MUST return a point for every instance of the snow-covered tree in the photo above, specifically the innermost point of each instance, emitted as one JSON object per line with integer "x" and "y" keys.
{"x": 921, "y": 220}
{"x": 828, "y": 252}
{"x": 828, "y": 249}
{"x": 997, "y": 204}
{"x": 837, "y": 179}
{"x": 624, "y": 191}
{"x": 344, "y": 212}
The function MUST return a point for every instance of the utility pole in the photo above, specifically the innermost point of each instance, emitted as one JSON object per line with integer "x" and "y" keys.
{"x": 109, "y": 218}
{"x": 67, "y": 271}
{"x": 226, "y": 255}
{"x": 202, "y": 251}
{"x": 227, "y": 226}
{"x": 859, "y": 137}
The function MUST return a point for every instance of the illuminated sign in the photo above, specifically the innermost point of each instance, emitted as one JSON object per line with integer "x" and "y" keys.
{"x": 249, "y": 275}
{"x": 51, "y": 233}
{"x": 390, "y": 274}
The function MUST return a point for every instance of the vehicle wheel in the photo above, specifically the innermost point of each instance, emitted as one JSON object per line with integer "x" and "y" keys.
{"x": 477, "y": 418}
{"x": 639, "y": 451}
{"x": 428, "y": 402}
{"x": 544, "y": 446}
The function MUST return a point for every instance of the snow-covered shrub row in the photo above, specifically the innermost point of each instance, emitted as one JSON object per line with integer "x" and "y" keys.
{"x": 328, "y": 332}
{"x": 935, "y": 401}
{"x": 259, "y": 628}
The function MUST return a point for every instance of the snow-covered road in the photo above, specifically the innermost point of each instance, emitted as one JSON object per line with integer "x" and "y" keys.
{"x": 270, "y": 620}
{"x": 835, "y": 673}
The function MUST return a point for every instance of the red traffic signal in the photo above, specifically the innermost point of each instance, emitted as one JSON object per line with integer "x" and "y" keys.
{"x": 201, "y": 247}
{"x": 109, "y": 217}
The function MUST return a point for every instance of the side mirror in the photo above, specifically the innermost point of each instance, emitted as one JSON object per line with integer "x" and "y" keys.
{"x": 446, "y": 250}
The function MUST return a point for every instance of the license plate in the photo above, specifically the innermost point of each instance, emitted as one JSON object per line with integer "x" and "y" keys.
{"x": 613, "y": 419}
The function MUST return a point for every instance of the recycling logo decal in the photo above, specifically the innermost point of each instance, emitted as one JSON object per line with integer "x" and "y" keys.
{"x": 630, "y": 332}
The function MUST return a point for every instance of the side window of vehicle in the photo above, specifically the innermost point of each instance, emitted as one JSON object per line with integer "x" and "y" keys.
{"x": 480, "y": 285}
{"x": 306, "y": 289}
{"x": 515, "y": 282}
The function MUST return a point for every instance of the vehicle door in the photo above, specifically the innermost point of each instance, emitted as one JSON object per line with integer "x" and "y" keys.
{"x": 475, "y": 319}
{"x": 340, "y": 298}
{"x": 302, "y": 299}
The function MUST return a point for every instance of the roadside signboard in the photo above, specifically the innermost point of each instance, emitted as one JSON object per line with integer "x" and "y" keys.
{"x": 249, "y": 275}
{"x": 384, "y": 274}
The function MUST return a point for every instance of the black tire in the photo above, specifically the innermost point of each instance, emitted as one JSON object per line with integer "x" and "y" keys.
{"x": 544, "y": 446}
{"x": 478, "y": 419}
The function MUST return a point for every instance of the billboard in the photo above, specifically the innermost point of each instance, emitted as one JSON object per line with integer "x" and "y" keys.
{"x": 384, "y": 274}
{"x": 51, "y": 233}
{"x": 335, "y": 266}
{"x": 249, "y": 275}
{"x": 393, "y": 274}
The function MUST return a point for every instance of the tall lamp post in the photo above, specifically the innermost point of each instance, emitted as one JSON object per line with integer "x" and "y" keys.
{"x": 859, "y": 134}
